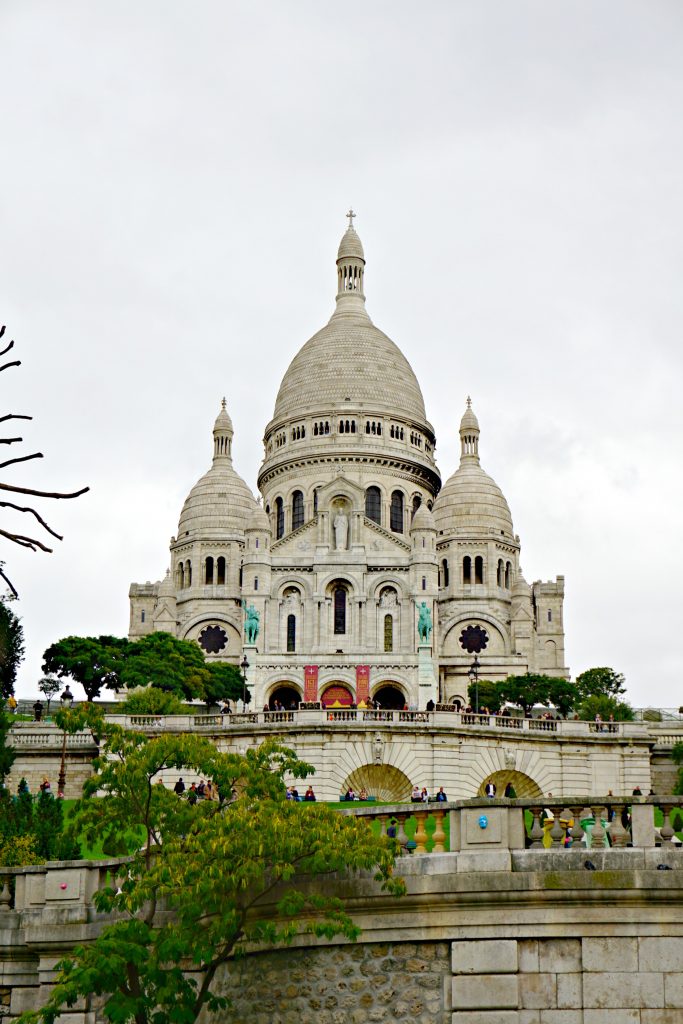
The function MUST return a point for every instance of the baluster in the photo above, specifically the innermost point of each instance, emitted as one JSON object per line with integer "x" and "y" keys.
{"x": 5, "y": 895}
{"x": 420, "y": 832}
{"x": 666, "y": 831}
{"x": 536, "y": 832}
{"x": 557, "y": 832}
{"x": 401, "y": 830}
{"x": 439, "y": 834}
{"x": 598, "y": 833}
{"x": 566, "y": 817}
{"x": 617, "y": 832}
{"x": 383, "y": 824}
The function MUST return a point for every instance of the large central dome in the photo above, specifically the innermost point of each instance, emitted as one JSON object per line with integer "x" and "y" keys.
{"x": 350, "y": 360}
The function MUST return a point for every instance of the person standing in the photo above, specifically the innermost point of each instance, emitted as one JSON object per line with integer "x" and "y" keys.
{"x": 490, "y": 789}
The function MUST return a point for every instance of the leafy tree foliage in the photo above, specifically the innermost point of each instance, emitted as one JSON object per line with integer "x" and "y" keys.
{"x": 488, "y": 695}
{"x": 600, "y": 682}
{"x": 152, "y": 701}
{"x": 94, "y": 662}
{"x": 605, "y": 706}
{"x": 531, "y": 689}
{"x": 33, "y": 827}
{"x": 161, "y": 660}
{"x": 225, "y": 683}
{"x": 49, "y": 686}
{"x": 677, "y": 757}
{"x": 230, "y": 872}
{"x": 7, "y": 754}
{"x": 11, "y": 648}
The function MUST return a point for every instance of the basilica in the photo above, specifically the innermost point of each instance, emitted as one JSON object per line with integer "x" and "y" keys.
{"x": 355, "y": 574}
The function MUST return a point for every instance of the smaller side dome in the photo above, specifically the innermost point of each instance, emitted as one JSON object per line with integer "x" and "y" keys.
{"x": 259, "y": 521}
{"x": 166, "y": 587}
{"x": 469, "y": 421}
{"x": 350, "y": 246}
{"x": 423, "y": 519}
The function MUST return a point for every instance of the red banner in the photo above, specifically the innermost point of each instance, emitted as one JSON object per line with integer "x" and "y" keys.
{"x": 310, "y": 682}
{"x": 362, "y": 683}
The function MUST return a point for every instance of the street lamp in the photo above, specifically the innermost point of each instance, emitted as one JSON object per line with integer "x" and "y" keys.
{"x": 473, "y": 673}
{"x": 66, "y": 700}
{"x": 244, "y": 665}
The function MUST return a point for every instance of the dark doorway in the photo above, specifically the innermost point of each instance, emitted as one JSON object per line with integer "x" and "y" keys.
{"x": 288, "y": 697}
{"x": 390, "y": 698}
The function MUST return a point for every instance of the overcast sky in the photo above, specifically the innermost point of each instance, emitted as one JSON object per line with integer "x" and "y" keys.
{"x": 173, "y": 184}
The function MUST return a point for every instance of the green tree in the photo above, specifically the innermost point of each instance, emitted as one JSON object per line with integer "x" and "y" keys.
{"x": 161, "y": 660}
{"x": 488, "y": 695}
{"x": 94, "y": 662}
{"x": 11, "y": 648}
{"x": 49, "y": 687}
{"x": 605, "y": 706}
{"x": 600, "y": 682}
{"x": 215, "y": 865}
{"x": 225, "y": 683}
{"x": 7, "y": 753}
{"x": 562, "y": 694}
{"x": 533, "y": 688}
{"x": 152, "y": 701}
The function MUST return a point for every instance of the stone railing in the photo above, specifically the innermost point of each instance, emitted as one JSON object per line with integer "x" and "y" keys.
{"x": 453, "y": 720}
{"x": 25, "y": 735}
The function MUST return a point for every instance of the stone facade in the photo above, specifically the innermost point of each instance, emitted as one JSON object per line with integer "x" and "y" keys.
{"x": 354, "y": 533}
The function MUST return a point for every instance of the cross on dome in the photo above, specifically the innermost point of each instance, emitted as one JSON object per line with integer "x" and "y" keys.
{"x": 351, "y": 216}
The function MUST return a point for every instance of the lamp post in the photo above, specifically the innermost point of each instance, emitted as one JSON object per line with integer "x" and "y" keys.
{"x": 66, "y": 700}
{"x": 244, "y": 665}
{"x": 473, "y": 673}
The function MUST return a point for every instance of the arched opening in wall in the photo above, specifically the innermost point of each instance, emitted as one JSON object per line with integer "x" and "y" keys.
{"x": 297, "y": 510}
{"x": 315, "y": 501}
{"x": 208, "y": 573}
{"x": 181, "y": 576}
{"x": 287, "y": 695}
{"x": 550, "y": 654}
{"x": 386, "y": 783}
{"x": 396, "y": 515}
{"x": 457, "y": 703}
{"x": 390, "y": 697}
{"x": 479, "y": 569}
{"x": 500, "y": 576}
{"x": 373, "y": 505}
{"x": 339, "y": 611}
{"x": 291, "y": 634}
{"x": 522, "y": 785}
{"x": 188, "y": 573}
{"x": 417, "y": 501}
{"x": 444, "y": 572}
{"x": 220, "y": 571}
{"x": 467, "y": 569}
{"x": 508, "y": 575}
{"x": 388, "y": 633}
{"x": 337, "y": 693}
{"x": 279, "y": 518}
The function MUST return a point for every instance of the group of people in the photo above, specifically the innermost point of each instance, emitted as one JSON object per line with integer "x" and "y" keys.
{"x": 293, "y": 794}
{"x": 197, "y": 791}
{"x": 422, "y": 796}
{"x": 351, "y": 795}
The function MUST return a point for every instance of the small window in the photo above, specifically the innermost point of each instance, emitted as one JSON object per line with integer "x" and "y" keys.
{"x": 501, "y": 573}
{"x": 291, "y": 634}
{"x": 297, "y": 510}
{"x": 508, "y": 575}
{"x": 388, "y": 632}
{"x": 142, "y": 615}
{"x": 444, "y": 569}
{"x": 279, "y": 518}
{"x": 255, "y": 582}
{"x": 467, "y": 569}
{"x": 550, "y": 615}
{"x": 220, "y": 571}
{"x": 424, "y": 582}
{"x": 339, "y": 611}
{"x": 208, "y": 574}
{"x": 188, "y": 573}
{"x": 396, "y": 515}
{"x": 479, "y": 569}
{"x": 373, "y": 504}
{"x": 315, "y": 501}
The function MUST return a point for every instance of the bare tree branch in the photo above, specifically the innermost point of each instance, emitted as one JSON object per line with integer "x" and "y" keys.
{"x": 9, "y": 583}
{"x": 15, "y": 362}
{"x": 14, "y": 416}
{"x": 27, "y": 508}
{"x": 42, "y": 494}
{"x": 10, "y": 440}
{"x": 21, "y": 458}
{"x": 25, "y": 542}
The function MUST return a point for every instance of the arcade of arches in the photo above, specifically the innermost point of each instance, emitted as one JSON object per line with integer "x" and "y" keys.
{"x": 381, "y": 781}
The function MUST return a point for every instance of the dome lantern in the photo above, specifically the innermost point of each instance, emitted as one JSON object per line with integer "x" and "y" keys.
{"x": 469, "y": 434}
{"x": 350, "y": 266}
{"x": 222, "y": 435}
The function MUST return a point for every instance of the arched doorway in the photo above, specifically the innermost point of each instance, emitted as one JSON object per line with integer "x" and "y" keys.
{"x": 337, "y": 693}
{"x": 389, "y": 697}
{"x": 523, "y": 785}
{"x": 382, "y": 781}
{"x": 287, "y": 695}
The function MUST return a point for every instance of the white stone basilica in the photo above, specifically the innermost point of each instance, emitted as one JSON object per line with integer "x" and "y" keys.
{"x": 359, "y": 576}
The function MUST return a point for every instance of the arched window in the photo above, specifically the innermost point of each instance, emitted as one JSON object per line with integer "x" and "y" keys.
{"x": 208, "y": 575}
{"x": 339, "y": 610}
{"x": 188, "y": 573}
{"x": 388, "y": 632}
{"x": 508, "y": 574}
{"x": 444, "y": 567}
{"x": 467, "y": 569}
{"x": 417, "y": 501}
{"x": 478, "y": 569}
{"x": 501, "y": 573}
{"x": 297, "y": 510}
{"x": 220, "y": 571}
{"x": 279, "y": 518}
{"x": 255, "y": 582}
{"x": 315, "y": 501}
{"x": 373, "y": 504}
{"x": 396, "y": 517}
{"x": 181, "y": 576}
{"x": 291, "y": 634}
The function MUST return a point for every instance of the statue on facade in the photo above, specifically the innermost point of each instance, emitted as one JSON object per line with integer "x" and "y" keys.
{"x": 424, "y": 622}
{"x": 252, "y": 621}
{"x": 341, "y": 530}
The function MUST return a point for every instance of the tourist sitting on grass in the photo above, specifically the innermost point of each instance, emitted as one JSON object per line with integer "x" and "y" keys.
{"x": 416, "y": 795}
{"x": 363, "y": 795}
{"x": 441, "y": 796}
{"x": 350, "y": 795}
{"x": 309, "y": 794}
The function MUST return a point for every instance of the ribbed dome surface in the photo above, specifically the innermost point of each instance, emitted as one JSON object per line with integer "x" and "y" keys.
{"x": 219, "y": 502}
{"x": 350, "y": 358}
{"x": 350, "y": 245}
{"x": 471, "y": 503}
